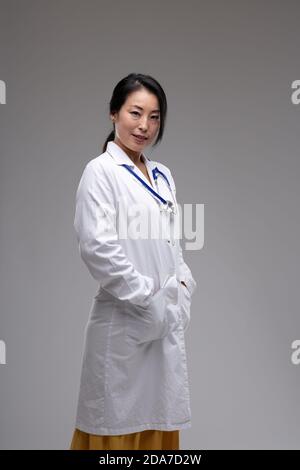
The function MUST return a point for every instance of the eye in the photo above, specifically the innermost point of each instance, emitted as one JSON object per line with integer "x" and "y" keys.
{"x": 138, "y": 114}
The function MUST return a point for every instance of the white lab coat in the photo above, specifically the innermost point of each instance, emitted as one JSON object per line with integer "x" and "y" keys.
{"x": 134, "y": 371}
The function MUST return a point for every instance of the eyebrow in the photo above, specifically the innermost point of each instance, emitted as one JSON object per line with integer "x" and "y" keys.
{"x": 154, "y": 110}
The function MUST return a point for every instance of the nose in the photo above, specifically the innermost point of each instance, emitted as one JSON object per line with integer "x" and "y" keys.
{"x": 143, "y": 124}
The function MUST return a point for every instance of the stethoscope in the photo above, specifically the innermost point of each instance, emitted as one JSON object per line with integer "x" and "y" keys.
{"x": 165, "y": 205}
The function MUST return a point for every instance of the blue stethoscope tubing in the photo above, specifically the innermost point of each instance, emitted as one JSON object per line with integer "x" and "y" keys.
{"x": 155, "y": 172}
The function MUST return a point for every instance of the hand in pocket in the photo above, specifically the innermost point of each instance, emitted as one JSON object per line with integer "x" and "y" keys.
{"x": 150, "y": 323}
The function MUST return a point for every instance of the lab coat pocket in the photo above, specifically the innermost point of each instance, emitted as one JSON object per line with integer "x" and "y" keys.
{"x": 149, "y": 323}
{"x": 184, "y": 305}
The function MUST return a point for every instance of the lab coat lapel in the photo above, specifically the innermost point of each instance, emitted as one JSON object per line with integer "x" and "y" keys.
{"x": 120, "y": 157}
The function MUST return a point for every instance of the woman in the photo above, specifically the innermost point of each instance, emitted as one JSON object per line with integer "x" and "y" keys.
{"x": 134, "y": 391}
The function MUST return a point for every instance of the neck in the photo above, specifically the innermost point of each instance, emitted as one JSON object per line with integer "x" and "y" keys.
{"x": 136, "y": 157}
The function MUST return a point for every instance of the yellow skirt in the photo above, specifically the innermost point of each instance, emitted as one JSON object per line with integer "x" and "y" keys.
{"x": 144, "y": 440}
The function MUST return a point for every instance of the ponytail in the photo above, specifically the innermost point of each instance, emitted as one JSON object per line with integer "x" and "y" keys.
{"x": 109, "y": 138}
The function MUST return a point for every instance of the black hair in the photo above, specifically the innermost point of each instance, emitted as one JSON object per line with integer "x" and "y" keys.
{"x": 129, "y": 84}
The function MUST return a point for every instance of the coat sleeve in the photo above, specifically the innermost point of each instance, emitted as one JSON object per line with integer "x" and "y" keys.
{"x": 185, "y": 273}
{"x": 95, "y": 227}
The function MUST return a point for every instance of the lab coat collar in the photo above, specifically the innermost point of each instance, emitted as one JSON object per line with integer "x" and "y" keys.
{"x": 120, "y": 156}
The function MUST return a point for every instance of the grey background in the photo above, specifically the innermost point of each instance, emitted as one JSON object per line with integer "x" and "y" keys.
{"x": 232, "y": 144}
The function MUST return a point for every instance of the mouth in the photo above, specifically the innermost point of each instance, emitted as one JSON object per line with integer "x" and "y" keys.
{"x": 139, "y": 138}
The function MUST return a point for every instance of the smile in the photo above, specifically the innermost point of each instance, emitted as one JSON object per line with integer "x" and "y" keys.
{"x": 139, "y": 139}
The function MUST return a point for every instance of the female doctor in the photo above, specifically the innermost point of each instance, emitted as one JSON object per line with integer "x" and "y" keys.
{"x": 134, "y": 389}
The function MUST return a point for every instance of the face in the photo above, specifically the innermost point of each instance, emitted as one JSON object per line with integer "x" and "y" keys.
{"x": 139, "y": 116}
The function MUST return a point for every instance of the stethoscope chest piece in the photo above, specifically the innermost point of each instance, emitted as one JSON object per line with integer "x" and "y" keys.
{"x": 168, "y": 207}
